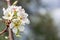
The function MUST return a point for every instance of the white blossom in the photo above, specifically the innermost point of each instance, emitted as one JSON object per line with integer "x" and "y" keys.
{"x": 8, "y": 14}
{"x": 16, "y": 25}
{"x": 18, "y": 18}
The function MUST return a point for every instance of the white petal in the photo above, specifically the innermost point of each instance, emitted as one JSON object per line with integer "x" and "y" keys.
{"x": 21, "y": 28}
{"x": 25, "y": 20}
{"x": 11, "y": 25}
{"x": 23, "y": 11}
{"x": 19, "y": 7}
{"x": 25, "y": 14}
{"x": 14, "y": 30}
{"x": 5, "y": 17}
{"x": 3, "y": 9}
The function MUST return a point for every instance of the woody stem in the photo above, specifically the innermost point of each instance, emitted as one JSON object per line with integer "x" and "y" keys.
{"x": 3, "y": 31}
{"x": 10, "y": 34}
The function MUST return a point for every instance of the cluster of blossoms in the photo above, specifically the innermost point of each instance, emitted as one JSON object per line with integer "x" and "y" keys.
{"x": 17, "y": 16}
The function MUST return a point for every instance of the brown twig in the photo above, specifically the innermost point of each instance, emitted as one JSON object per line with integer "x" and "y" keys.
{"x": 9, "y": 31}
{"x": 8, "y": 2}
{"x": 3, "y": 31}
{"x": 10, "y": 34}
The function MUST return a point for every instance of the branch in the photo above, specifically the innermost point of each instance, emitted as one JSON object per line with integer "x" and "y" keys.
{"x": 3, "y": 31}
{"x": 8, "y": 2}
{"x": 10, "y": 34}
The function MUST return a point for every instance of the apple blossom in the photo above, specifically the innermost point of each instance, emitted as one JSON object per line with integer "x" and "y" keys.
{"x": 18, "y": 18}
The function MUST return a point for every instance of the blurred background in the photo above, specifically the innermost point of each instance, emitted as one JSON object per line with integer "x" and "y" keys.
{"x": 44, "y": 16}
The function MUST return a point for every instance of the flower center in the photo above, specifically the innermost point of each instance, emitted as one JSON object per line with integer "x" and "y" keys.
{"x": 17, "y": 23}
{"x": 8, "y": 15}
{"x": 21, "y": 17}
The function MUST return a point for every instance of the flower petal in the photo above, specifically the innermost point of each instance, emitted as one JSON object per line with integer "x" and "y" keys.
{"x": 21, "y": 28}
{"x": 14, "y": 30}
{"x": 11, "y": 25}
